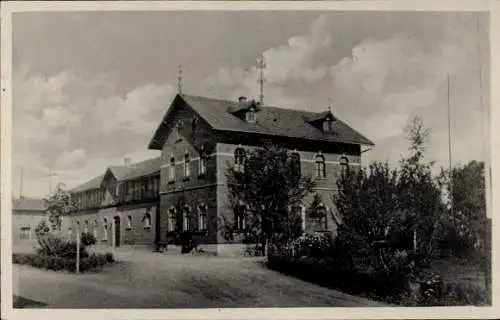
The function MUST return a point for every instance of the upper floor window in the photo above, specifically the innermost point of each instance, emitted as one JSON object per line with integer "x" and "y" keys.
{"x": 295, "y": 157}
{"x": 203, "y": 162}
{"x": 177, "y": 130}
{"x": 171, "y": 169}
{"x": 187, "y": 167}
{"x": 239, "y": 159}
{"x": 86, "y": 228}
{"x": 344, "y": 165}
{"x": 320, "y": 166}
{"x": 202, "y": 217}
{"x": 186, "y": 221}
{"x": 251, "y": 115}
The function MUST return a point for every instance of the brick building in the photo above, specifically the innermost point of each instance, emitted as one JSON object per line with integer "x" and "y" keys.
{"x": 185, "y": 186}
{"x": 26, "y": 214}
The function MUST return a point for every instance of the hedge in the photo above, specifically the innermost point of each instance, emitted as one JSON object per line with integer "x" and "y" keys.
{"x": 89, "y": 263}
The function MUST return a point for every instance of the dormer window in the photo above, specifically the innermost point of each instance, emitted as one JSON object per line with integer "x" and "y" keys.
{"x": 251, "y": 115}
{"x": 327, "y": 125}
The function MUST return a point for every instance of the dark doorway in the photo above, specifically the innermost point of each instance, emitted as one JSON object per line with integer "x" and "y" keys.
{"x": 117, "y": 231}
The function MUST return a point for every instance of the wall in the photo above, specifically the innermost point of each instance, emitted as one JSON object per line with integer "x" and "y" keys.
{"x": 24, "y": 219}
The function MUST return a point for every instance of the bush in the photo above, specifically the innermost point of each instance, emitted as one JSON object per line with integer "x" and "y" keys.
{"x": 88, "y": 239}
{"x": 89, "y": 263}
{"x": 51, "y": 245}
{"x": 462, "y": 294}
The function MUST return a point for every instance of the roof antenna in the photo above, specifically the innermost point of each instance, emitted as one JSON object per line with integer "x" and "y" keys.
{"x": 179, "y": 80}
{"x": 261, "y": 79}
{"x": 329, "y": 103}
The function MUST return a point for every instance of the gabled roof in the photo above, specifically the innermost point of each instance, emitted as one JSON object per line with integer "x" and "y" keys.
{"x": 270, "y": 121}
{"x": 122, "y": 173}
{"x": 28, "y": 204}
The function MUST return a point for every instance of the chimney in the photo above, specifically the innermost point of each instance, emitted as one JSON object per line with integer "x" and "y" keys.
{"x": 126, "y": 162}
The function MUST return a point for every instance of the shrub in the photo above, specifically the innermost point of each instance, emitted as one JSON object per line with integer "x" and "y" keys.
{"x": 462, "y": 294}
{"x": 59, "y": 263}
{"x": 88, "y": 239}
{"x": 51, "y": 245}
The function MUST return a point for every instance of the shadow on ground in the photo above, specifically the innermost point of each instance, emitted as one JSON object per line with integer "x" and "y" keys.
{"x": 20, "y": 302}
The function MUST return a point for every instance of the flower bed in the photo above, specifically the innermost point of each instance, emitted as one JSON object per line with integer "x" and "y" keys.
{"x": 56, "y": 263}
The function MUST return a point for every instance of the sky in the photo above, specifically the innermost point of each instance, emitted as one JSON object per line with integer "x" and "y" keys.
{"x": 90, "y": 88}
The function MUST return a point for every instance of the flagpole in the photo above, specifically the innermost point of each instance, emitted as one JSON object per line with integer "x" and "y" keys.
{"x": 452, "y": 206}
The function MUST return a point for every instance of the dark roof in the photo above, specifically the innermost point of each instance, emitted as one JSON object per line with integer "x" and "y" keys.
{"x": 28, "y": 204}
{"x": 121, "y": 173}
{"x": 270, "y": 121}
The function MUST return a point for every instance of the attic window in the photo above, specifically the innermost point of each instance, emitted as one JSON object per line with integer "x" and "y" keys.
{"x": 327, "y": 125}
{"x": 251, "y": 115}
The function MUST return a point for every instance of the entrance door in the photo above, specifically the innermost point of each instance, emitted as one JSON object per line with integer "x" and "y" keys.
{"x": 117, "y": 231}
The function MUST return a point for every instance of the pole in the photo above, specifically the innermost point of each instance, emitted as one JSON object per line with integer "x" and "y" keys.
{"x": 487, "y": 175}
{"x": 77, "y": 249}
{"x": 452, "y": 207}
{"x": 21, "y": 184}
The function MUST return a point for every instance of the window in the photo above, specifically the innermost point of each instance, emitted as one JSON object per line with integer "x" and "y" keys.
{"x": 70, "y": 232}
{"x": 303, "y": 217}
{"x": 202, "y": 217}
{"x": 86, "y": 228}
{"x": 320, "y": 166}
{"x": 187, "y": 168}
{"x": 105, "y": 230}
{"x": 186, "y": 223}
{"x": 95, "y": 228}
{"x": 147, "y": 220}
{"x": 25, "y": 232}
{"x": 177, "y": 130}
{"x": 203, "y": 162}
{"x": 172, "y": 223}
{"x": 251, "y": 116}
{"x": 171, "y": 174}
{"x": 327, "y": 125}
{"x": 296, "y": 162}
{"x": 240, "y": 217}
{"x": 344, "y": 165}
{"x": 129, "y": 223}
{"x": 239, "y": 159}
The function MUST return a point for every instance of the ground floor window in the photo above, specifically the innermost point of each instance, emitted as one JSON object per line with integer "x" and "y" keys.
{"x": 240, "y": 217}
{"x": 147, "y": 220}
{"x": 202, "y": 217}
{"x": 186, "y": 223}
{"x": 129, "y": 223}
{"x": 172, "y": 219}
{"x": 105, "y": 230}
{"x": 25, "y": 232}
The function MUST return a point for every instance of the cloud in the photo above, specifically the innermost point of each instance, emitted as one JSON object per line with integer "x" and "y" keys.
{"x": 75, "y": 125}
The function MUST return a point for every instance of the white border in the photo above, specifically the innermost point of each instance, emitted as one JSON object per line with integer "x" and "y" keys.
{"x": 258, "y": 313}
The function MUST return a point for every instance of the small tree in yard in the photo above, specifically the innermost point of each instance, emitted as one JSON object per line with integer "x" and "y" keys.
{"x": 268, "y": 186}
{"x": 57, "y": 205}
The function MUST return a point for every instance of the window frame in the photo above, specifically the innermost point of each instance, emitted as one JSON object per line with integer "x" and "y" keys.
{"x": 320, "y": 163}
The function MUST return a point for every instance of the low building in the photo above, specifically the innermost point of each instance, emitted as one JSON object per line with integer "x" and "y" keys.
{"x": 185, "y": 188}
{"x": 26, "y": 214}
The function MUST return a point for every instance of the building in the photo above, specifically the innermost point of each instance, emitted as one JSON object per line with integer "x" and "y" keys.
{"x": 26, "y": 214}
{"x": 185, "y": 187}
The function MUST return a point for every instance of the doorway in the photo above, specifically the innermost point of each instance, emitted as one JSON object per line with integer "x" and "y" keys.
{"x": 117, "y": 231}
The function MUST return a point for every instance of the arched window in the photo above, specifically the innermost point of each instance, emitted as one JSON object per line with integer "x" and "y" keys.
{"x": 172, "y": 223}
{"x": 320, "y": 166}
{"x": 86, "y": 227}
{"x": 129, "y": 222}
{"x": 147, "y": 220}
{"x": 203, "y": 162}
{"x": 295, "y": 157}
{"x": 187, "y": 167}
{"x": 239, "y": 159}
{"x": 171, "y": 169}
{"x": 105, "y": 229}
{"x": 202, "y": 217}
{"x": 344, "y": 165}
{"x": 70, "y": 232}
{"x": 186, "y": 223}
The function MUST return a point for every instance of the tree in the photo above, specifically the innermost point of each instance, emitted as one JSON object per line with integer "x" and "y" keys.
{"x": 267, "y": 187}
{"x": 465, "y": 223}
{"x": 57, "y": 205}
